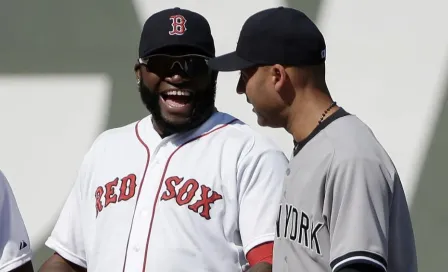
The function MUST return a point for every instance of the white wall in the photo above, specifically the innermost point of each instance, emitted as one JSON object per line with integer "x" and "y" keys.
{"x": 45, "y": 131}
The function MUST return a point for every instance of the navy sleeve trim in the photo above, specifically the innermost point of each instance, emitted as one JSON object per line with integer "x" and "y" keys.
{"x": 359, "y": 257}
{"x": 361, "y": 268}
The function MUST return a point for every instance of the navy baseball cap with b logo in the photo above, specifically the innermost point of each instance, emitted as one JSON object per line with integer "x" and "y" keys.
{"x": 176, "y": 27}
{"x": 280, "y": 35}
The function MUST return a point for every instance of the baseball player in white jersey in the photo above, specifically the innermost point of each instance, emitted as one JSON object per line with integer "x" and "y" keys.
{"x": 15, "y": 249}
{"x": 343, "y": 207}
{"x": 187, "y": 188}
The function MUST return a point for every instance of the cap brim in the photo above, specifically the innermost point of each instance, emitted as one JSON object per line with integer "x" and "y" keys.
{"x": 189, "y": 47}
{"x": 229, "y": 62}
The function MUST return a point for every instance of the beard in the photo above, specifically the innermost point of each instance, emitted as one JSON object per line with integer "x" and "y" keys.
{"x": 203, "y": 108}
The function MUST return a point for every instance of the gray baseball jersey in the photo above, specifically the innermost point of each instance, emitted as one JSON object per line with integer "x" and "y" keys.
{"x": 343, "y": 203}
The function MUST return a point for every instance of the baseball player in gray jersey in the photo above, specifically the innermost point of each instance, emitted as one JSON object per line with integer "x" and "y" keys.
{"x": 343, "y": 207}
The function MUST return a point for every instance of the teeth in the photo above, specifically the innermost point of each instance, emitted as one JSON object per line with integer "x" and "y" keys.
{"x": 179, "y": 92}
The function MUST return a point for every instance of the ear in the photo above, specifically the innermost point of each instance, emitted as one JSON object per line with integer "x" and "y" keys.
{"x": 279, "y": 76}
{"x": 137, "y": 71}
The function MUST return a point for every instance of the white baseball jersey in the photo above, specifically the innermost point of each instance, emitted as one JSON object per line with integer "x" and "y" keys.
{"x": 196, "y": 201}
{"x": 15, "y": 247}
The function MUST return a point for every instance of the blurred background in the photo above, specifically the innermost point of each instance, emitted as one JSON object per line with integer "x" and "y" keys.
{"x": 66, "y": 74}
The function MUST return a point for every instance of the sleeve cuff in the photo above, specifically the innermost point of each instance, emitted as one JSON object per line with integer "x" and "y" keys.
{"x": 66, "y": 254}
{"x": 13, "y": 264}
{"x": 358, "y": 257}
{"x": 258, "y": 241}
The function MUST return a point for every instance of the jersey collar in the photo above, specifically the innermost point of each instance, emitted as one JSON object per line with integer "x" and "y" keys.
{"x": 338, "y": 114}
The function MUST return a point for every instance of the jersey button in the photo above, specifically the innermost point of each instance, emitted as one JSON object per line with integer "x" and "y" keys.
{"x": 136, "y": 248}
{"x": 288, "y": 171}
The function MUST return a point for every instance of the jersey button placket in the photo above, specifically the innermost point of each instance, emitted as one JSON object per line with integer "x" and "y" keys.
{"x": 136, "y": 248}
{"x": 144, "y": 214}
{"x": 142, "y": 220}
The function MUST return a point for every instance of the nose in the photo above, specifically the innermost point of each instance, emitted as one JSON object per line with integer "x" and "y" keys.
{"x": 241, "y": 86}
{"x": 175, "y": 79}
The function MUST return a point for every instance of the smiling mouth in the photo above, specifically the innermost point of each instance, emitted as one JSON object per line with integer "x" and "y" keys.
{"x": 177, "y": 98}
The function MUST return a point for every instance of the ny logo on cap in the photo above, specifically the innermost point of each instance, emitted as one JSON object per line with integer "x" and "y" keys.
{"x": 178, "y": 25}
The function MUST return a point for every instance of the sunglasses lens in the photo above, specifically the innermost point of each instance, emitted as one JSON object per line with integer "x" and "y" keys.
{"x": 187, "y": 66}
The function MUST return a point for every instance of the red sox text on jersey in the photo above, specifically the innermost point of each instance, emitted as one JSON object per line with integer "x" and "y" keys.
{"x": 184, "y": 195}
{"x": 108, "y": 193}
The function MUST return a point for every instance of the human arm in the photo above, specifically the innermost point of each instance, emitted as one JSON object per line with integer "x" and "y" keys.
{"x": 261, "y": 174}
{"x": 15, "y": 250}
{"x": 261, "y": 267}
{"x": 56, "y": 263}
{"x": 357, "y": 204}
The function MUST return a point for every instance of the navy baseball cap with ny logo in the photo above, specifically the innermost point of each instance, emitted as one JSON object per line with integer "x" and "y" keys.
{"x": 176, "y": 27}
{"x": 279, "y": 35}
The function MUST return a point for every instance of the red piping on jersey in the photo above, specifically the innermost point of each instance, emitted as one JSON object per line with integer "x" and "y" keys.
{"x": 148, "y": 156}
{"x": 163, "y": 178}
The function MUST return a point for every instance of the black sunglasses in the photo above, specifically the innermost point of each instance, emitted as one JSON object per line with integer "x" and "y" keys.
{"x": 189, "y": 66}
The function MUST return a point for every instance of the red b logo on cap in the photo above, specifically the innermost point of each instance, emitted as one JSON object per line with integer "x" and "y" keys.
{"x": 178, "y": 24}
